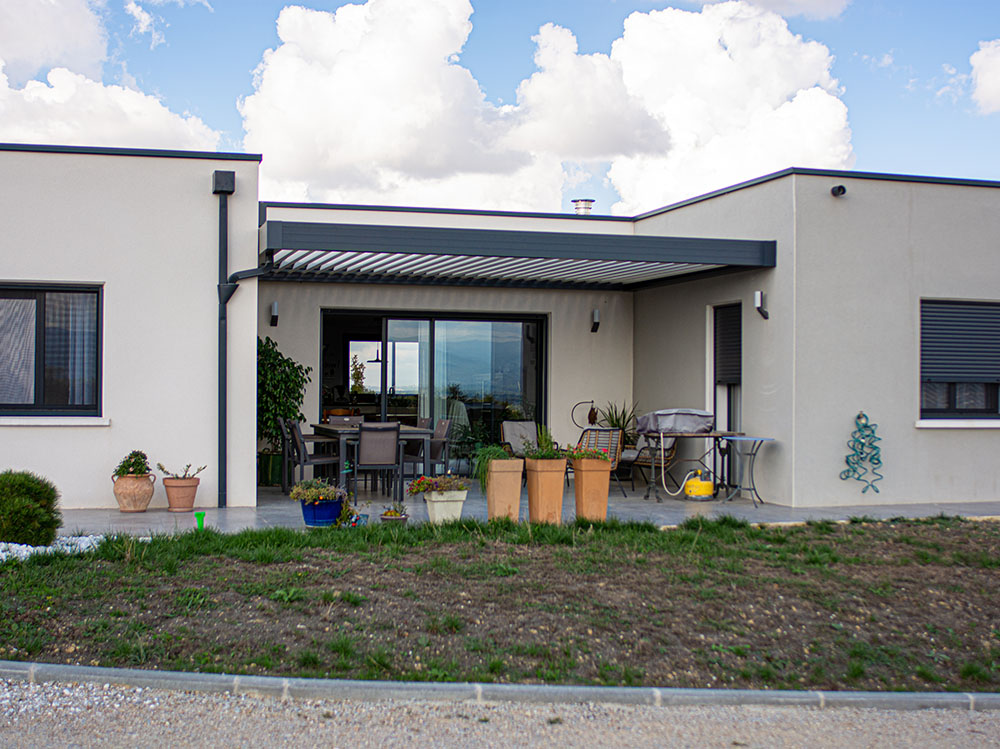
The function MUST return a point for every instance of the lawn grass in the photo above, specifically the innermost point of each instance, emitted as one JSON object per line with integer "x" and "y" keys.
{"x": 901, "y": 604}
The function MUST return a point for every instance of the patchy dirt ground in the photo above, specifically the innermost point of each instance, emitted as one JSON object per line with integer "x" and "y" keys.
{"x": 863, "y": 606}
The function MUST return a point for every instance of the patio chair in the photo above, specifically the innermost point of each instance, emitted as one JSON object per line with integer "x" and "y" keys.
{"x": 515, "y": 434}
{"x": 299, "y": 454}
{"x": 646, "y": 458}
{"x": 440, "y": 449}
{"x": 412, "y": 447}
{"x": 606, "y": 440}
{"x": 379, "y": 449}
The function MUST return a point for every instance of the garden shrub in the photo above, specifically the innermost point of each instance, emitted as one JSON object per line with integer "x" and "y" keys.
{"x": 28, "y": 512}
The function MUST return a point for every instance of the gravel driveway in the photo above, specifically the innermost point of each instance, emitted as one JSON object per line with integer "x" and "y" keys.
{"x": 81, "y": 715}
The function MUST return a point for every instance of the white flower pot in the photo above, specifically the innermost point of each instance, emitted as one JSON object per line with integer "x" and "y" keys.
{"x": 443, "y": 507}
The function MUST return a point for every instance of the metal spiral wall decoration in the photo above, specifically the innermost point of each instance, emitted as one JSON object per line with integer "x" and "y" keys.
{"x": 864, "y": 450}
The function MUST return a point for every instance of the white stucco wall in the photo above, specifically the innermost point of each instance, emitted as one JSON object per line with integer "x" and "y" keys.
{"x": 672, "y": 332}
{"x": 865, "y": 260}
{"x": 581, "y": 365}
{"x": 843, "y": 333}
{"x": 146, "y": 229}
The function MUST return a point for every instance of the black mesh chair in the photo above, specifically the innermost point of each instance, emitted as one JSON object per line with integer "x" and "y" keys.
{"x": 299, "y": 454}
{"x": 379, "y": 449}
{"x": 440, "y": 450}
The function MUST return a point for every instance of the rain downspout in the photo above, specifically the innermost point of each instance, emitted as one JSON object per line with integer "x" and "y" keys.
{"x": 223, "y": 185}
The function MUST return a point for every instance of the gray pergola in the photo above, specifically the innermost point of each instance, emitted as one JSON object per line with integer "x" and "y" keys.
{"x": 366, "y": 253}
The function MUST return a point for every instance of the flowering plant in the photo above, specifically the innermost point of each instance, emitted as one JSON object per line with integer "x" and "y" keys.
{"x": 312, "y": 491}
{"x": 395, "y": 510}
{"x": 580, "y": 453}
{"x": 446, "y": 483}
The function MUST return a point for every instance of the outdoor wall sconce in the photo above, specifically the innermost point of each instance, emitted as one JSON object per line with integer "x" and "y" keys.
{"x": 838, "y": 191}
{"x": 760, "y": 304}
{"x": 595, "y": 320}
{"x": 274, "y": 314}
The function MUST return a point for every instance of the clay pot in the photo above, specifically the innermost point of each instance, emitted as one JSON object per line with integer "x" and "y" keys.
{"x": 591, "y": 482}
{"x": 181, "y": 493}
{"x": 133, "y": 491}
{"x": 503, "y": 489}
{"x": 545, "y": 489}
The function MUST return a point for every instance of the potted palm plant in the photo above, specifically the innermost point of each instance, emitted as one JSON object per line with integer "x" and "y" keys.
{"x": 181, "y": 487}
{"x": 591, "y": 482}
{"x": 133, "y": 482}
{"x": 499, "y": 475}
{"x": 545, "y": 465}
{"x": 444, "y": 495}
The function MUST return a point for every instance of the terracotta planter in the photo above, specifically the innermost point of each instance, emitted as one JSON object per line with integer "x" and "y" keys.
{"x": 443, "y": 507}
{"x": 181, "y": 493}
{"x": 591, "y": 481}
{"x": 133, "y": 491}
{"x": 545, "y": 489}
{"x": 394, "y": 519}
{"x": 503, "y": 489}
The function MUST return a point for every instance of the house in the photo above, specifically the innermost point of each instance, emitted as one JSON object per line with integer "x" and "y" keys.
{"x": 786, "y": 305}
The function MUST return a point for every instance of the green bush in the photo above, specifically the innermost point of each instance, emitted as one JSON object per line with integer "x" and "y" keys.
{"x": 28, "y": 512}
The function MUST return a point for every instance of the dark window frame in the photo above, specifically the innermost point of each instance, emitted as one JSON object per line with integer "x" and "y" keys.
{"x": 942, "y": 330}
{"x": 37, "y": 291}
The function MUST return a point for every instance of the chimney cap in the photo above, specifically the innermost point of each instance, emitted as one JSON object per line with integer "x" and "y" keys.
{"x": 582, "y": 206}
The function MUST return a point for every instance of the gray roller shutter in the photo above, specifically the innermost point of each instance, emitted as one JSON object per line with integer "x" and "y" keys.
{"x": 728, "y": 345}
{"x": 959, "y": 341}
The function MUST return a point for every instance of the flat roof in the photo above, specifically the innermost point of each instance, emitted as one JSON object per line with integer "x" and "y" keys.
{"x": 147, "y": 152}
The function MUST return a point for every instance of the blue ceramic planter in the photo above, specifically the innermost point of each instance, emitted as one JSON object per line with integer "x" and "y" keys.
{"x": 323, "y": 513}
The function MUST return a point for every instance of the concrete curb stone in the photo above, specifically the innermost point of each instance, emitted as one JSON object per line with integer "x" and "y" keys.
{"x": 342, "y": 689}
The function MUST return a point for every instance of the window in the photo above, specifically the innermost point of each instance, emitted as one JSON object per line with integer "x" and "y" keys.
{"x": 50, "y": 350}
{"x": 959, "y": 359}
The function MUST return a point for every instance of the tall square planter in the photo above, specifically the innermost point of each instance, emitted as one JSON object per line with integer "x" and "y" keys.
{"x": 443, "y": 507}
{"x": 503, "y": 489}
{"x": 591, "y": 483}
{"x": 545, "y": 489}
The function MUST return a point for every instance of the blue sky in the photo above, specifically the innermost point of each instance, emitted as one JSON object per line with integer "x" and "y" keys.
{"x": 900, "y": 68}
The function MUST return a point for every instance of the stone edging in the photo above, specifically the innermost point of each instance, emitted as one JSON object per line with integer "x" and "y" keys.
{"x": 282, "y": 688}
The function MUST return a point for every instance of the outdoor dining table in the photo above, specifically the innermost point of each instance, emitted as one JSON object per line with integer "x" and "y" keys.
{"x": 717, "y": 450}
{"x": 350, "y": 432}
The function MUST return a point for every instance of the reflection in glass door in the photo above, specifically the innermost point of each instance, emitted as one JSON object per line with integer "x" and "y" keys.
{"x": 485, "y": 372}
{"x": 406, "y": 382}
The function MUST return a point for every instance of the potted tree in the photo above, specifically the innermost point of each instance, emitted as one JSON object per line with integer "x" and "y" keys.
{"x": 444, "y": 496}
{"x": 322, "y": 504}
{"x": 591, "y": 481}
{"x": 499, "y": 475}
{"x": 181, "y": 487}
{"x": 133, "y": 482}
{"x": 281, "y": 388}
{"x": 545, "y": 465}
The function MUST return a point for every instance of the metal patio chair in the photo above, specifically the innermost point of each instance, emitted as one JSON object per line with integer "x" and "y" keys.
{"x": 379, "y": 449}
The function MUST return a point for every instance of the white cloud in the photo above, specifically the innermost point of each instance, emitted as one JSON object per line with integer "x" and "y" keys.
{"x": 74, "y": 110}
{"x": 36, "y": 36}
{"x": 817, "y": 9}
{"x": 144, "y": 24}
{"x": 986, "y": 76}
{"x": 369, "y": 104}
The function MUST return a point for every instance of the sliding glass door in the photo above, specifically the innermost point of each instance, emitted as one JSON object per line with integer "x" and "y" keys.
{"x": 476, "y": 372}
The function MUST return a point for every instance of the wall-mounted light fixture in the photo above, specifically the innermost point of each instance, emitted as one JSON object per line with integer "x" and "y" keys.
{"x": 595, "y": 320}
{"x": 274, "y": 314}
{"x": 838, "y": 191}
{"x": 760, "y": 304}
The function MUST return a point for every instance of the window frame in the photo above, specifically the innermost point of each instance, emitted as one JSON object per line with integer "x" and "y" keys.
{"x": 952, "y": 411}
{"x": 37, "y": 291}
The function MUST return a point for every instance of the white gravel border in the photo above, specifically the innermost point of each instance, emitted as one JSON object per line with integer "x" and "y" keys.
{"x": 63, "y": 544}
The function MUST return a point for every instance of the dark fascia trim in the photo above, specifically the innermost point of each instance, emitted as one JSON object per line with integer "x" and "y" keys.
{"x": 296, "y": 235}
{"x": 395, "y": 280}
{"x": 688, "y": 277}
{"x": 264, "y": 205}
{"x": 831, "y": 173}
{"x": 147, "y": 152}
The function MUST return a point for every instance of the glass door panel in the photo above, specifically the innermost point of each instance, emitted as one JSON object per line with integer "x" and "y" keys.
{"x": 406, "y": 382}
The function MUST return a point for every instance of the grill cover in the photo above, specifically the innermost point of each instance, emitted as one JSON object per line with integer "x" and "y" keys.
{"x": 675, "y": 420}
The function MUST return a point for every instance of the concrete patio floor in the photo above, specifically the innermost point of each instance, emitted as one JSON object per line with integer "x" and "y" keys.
{"x": 276, "y": 510}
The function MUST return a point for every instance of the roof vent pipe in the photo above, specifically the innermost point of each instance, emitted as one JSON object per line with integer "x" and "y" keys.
{"x": 582, "y": 206}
